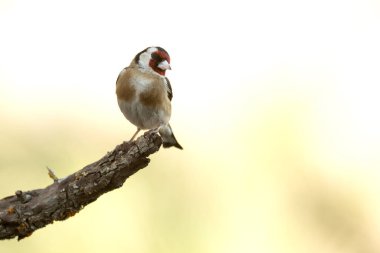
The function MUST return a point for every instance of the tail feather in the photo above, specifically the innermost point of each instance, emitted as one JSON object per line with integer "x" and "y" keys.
{"x": 168, "y": 138}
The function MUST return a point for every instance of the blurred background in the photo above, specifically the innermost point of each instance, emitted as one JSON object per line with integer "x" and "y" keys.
{"x": 276, "y": 104}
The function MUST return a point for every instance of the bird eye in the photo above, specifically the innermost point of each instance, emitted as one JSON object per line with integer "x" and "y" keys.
{"x": 156, "y": 57}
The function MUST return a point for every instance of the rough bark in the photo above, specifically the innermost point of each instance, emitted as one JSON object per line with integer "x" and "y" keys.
{"x": 23, "y": 213}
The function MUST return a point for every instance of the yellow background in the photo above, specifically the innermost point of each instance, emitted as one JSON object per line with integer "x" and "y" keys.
{"x": 276, "y": 104}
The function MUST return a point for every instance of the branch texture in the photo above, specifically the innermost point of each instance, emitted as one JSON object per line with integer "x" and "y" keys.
{"x": 23, "y": 213}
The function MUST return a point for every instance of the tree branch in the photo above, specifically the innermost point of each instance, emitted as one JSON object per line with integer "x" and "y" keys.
{"x": 23, "y": 213}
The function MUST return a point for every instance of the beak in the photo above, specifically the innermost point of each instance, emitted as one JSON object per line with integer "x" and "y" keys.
{"x": 164, "y": 65}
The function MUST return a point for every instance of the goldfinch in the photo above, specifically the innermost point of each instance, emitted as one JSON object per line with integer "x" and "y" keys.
{"x": 144, "y": 94}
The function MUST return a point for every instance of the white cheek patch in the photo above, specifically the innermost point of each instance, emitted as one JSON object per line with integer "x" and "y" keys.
{"x": 144, "y": 60}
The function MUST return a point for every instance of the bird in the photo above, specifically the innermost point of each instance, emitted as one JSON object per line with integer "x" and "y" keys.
{"x": 144, "y": 94}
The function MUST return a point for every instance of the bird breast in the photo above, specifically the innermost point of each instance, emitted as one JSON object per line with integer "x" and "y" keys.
{"x": 142, "y": 98}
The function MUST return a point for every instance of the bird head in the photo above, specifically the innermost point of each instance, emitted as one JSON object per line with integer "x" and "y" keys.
{"x": 154, "y": 59}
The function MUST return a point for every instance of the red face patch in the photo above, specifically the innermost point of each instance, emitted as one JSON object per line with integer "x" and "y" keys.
{"x": 158, "y": 57}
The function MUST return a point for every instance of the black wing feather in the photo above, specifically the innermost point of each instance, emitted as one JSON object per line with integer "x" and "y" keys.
{"x": 170, "y": 92}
